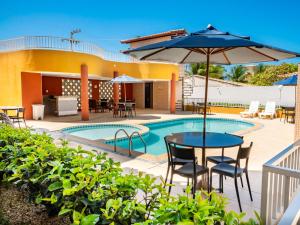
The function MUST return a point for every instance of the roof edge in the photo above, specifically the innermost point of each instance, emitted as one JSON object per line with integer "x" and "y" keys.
{"x": 177, "y": 32}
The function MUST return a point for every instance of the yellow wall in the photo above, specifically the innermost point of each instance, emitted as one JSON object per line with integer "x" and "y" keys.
{"x": 13, "y": 63}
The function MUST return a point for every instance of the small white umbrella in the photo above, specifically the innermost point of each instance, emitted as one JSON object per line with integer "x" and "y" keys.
{"x": 124, "y": 79}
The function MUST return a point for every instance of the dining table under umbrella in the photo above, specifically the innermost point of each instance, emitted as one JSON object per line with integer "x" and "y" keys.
{"x": 124, "y": 79}
{"x": 210, "y": 46}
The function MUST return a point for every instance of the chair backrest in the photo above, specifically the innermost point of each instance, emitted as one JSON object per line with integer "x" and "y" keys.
{"x": 92, "y": 103}
{"x": 167, "y": 147}
{"x": 21, "y": 112}
{"x": 180, "y": 152}
{"x": 270, "y": 107}
{"x": 243, "y": 154}
{"x": 253, "y": 108}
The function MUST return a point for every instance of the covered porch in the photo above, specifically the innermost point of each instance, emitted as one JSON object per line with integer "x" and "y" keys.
{"x": 47, "y": 87}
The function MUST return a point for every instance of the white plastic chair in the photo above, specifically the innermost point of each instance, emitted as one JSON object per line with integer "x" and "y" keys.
{"x": 270, "y": 110}
{"x": 252, "y": 111}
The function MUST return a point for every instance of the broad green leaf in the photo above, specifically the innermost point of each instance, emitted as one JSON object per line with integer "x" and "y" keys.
{"x": 90, "y": 219}
{"x": 76, "y": 217}
{"x": 55, "y": 186}
{"x": 64, "y": 211}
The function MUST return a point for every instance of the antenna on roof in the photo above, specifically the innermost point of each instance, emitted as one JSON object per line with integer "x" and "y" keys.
{"x": 75, "y": 31}
{"x": 71, "y": 40}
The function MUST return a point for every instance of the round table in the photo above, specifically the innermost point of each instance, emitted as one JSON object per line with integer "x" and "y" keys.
{"x": 209, "y": 140}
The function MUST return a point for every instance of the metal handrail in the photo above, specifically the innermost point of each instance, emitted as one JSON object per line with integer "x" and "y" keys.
{"x": 141, "y": 138}
{"x": 61, "y": 43}
{"x": 115, "y": 140}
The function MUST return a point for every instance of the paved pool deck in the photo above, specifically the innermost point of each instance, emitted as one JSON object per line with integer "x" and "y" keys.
{"x": 271, "y": 137}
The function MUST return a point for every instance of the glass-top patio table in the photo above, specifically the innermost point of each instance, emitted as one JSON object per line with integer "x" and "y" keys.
{"x": 208, "y": 141}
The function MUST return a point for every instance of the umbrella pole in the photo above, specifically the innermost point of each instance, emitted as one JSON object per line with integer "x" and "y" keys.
{"x": 206, "y": 91}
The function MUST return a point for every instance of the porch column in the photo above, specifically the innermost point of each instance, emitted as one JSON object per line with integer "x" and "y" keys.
{"x": 84, "y": 92}
{"x": 116, "y": 89}
{"x": 297, "y": 102}
{"x": 173, "y": 94}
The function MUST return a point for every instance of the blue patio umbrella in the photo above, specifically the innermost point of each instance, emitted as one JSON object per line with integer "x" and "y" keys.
{"x": 290, "y": 81}
{"x": 210, "y": 46}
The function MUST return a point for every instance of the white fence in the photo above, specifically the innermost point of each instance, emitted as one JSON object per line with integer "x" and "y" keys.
{"x": 59, "y": 43}
{"x": 281, "y": 187}
{"x": 244, "y": 95}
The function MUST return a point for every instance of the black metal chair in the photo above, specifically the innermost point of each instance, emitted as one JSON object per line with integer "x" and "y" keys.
{"x": 176, "y": 161}
{"x": 223, "y": 159}
{"x": 19, "y": 117}
{"x": 225, "y": 169}
{"x": 185, "y": 156}
{"x": 93, "y": 105}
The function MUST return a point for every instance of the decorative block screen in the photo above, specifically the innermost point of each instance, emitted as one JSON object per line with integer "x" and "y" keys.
{"x": 106, "y": 90}
{"x": 71, "y": 87}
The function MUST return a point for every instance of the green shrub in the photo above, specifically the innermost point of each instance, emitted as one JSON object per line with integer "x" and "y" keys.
{"x": 91, "y": 188}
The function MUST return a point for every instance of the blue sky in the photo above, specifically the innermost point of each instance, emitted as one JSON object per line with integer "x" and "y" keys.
{"x": 107, "y": 22}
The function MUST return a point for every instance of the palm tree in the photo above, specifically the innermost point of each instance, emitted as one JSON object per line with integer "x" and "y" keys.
{"x": 215, "y": 71}
{"x": 237, "y": 74}
{"x": 260, "y": 68}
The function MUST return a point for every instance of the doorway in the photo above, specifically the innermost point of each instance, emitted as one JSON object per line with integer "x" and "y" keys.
{"x": 149, "y": 95}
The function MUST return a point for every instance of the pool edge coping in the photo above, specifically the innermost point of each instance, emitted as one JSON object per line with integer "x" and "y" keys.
{"x": 100, "y": 143}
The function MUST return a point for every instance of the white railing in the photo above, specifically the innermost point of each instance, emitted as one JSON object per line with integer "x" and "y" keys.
{"x": 59, "y": 43}
{"x": 281, "y": 187}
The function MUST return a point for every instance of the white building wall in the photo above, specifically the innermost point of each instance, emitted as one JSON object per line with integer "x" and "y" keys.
{"x": 244, "y": 95}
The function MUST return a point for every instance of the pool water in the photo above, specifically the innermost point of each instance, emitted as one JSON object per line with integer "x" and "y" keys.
{"x": 103, "y": 131}
{"x": 157, "y": 131}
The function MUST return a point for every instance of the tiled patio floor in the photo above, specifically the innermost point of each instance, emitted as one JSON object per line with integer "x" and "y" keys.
{"x": 270, "y": 139}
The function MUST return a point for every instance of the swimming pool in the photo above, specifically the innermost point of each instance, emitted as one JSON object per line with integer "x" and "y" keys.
{"x": 100, "y": 131}
{"x": 157, "y": 131}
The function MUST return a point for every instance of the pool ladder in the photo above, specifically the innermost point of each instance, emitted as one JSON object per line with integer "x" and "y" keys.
{"x": 130, "y": 137}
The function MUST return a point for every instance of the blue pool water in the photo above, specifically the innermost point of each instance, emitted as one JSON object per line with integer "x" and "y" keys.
{"x": 157, "y": 131}
{"x": 103, "y": 131}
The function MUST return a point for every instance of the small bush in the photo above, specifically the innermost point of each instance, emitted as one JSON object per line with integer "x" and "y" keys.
{"x": 91, "y": 188}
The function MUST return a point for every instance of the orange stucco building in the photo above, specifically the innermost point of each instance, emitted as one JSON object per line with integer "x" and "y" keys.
{"x": 34, "y": 67}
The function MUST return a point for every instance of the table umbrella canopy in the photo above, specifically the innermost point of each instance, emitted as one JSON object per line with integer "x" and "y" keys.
{"x": 290, "y": 81}
{"x": 210, "y": 46}
{"x": 223, "y": 48}
{"x": 124, "y": 79}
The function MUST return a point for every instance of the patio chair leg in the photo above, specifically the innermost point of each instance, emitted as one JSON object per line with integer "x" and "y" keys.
{"x": 194, "y": 186}
{"x": 166, "y": 179}
{"x": 237, "y": 193}
{"x": 210, "y": 181}
{"x": 248, "y": 183}
{"x": 207, "y": 182}
{"x": 25, "y": 123}
{"x": 19, "y": 123}
{"x": 171, "y": 181}
{"x": 220, "y": 183}
{"x": 242, "y": 181}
